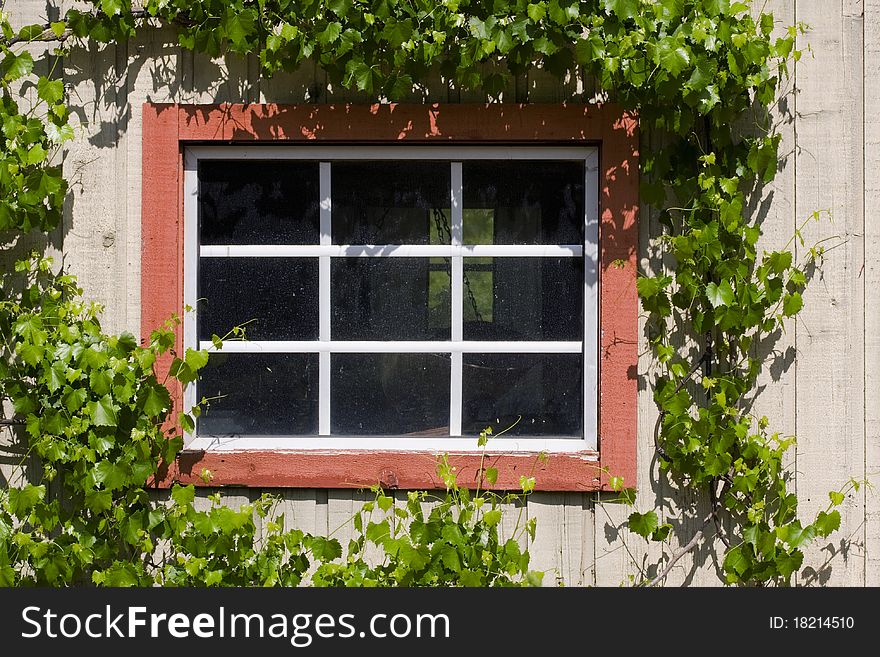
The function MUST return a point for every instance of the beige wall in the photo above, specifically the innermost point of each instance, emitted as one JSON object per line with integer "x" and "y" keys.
{"x": 821, "y": 383}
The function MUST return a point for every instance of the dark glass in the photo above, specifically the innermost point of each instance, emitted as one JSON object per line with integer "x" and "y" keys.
{"x": 245, "y": 202}
{"x": 389, "y": 394}
{"x": 389, "y": 299}
{"x": 523, "y": 298}
{"x": 523, "y": 202}
{"x": 545, "y": 389}
{"x": 391, "y": 202}
{"x": 277, "y": 297}
{"x": 262, "y": 394}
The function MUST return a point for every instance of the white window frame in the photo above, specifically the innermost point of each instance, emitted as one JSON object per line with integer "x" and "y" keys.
{"x": 456, "y": 251}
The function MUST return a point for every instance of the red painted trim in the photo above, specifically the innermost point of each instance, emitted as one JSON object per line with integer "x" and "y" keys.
{"x": 168, "y": 127}
{"x": 400, "y": 470}
{"x": 162, "y": 231}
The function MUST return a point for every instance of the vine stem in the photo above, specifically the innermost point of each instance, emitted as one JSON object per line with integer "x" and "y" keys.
{"x": 683, "y": 551}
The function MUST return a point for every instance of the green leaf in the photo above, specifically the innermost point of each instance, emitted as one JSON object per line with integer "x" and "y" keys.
{"x": 30, "y": 32}
{"x": 661, "y": 533}
{"x": 672, "y": 56}
{"x": 99, "y": 500}
{"x": 17, "y": 66}
{"x": 643, "y": 524}
{"x": 74, "y": 399}
{"x": 826, "y": 523}
{"x": 649, "y": 286}
{"x": 111, "y": 475}
{"x": 836, "y": 497}
{"x": 779, "y": 261}
{"x": 121, "y": 575}
{"x": 100, "y": 382}
{"x": 794, "y": 535}
{"x": 32, "y": 354}
{"x": 157, "y": 401}
{"x": 378, "y": 531}
{"x": 789, "y": 563}
{"x": 52, "y": 91}
{"x": 102, "y": 412}
{"x": 720, "y": 295}
{"x": 792, "y": 304}
{"x": 492, "y": 475}
{"x": 23, "y": 500}
{"x": 111, "y": 7}
{"x": 339, "y": 7}
{"x": 240, "y": 26}
{"x": 183, "y": 495}
{"x": 736, "y": 561}
{"x": 492, "y": 517}
{"x": 449, "y": 556}
{"x": 330, "y": 34}
{"x": 58, "y": 134}
{"x": 325, "y": 549}
{"x": 623, "y": 8}
{"x": 536, "y": 11}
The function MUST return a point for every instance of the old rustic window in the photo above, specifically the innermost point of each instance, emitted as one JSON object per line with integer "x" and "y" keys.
{"x": 400, "y": 297}
{"x": 408, "y": 275}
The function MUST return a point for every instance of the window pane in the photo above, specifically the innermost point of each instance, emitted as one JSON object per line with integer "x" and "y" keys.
{"x": 391, "y": 202}
{"x": 389, "y": 299}
{"x": 277, "y": 298}
{"x": 523, "y": 298}
{"x": 242, "y": 202}
{"x": 263, "y": 394}
{"x": 545, "y": 389}
{"x": 524, "y": 202}
{"x": 389, "y": 394}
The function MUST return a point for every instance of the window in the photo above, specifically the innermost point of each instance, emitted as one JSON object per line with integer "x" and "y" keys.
{"x": 408, "y": 275}
{"x": 412, "y": 295}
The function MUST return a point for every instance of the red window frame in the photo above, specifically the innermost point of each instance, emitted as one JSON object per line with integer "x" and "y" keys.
{"x": 168, "y": 128}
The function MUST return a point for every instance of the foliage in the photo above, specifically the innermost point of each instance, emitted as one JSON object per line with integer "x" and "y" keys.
{"x": 693, "y": 69}
{"x": 96, "y": 420}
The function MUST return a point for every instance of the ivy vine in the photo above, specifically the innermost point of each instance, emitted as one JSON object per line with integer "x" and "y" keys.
{"x": 694, "y": 70}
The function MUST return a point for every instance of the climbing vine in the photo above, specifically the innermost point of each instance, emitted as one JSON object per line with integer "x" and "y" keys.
{"x": 696, "y": 71}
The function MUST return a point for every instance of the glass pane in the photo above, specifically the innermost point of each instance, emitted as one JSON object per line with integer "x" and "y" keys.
{"x": 523, "y": 298}
{"x": 544, "y": 389}
{"x": 244, "y": 202}
{"x": 260, "y": 394}
{"x": 523, "y": 202}
{"x": 389, "y": 299}
{"x": 389, "y": 394}
{"x": 274, "y": 298}
{"x": 391, "y": 202}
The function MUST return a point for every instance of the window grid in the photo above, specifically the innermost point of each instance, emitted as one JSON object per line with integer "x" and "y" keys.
{"x": 455, "y": 251}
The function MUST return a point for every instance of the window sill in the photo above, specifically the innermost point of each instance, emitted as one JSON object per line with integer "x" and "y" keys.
{"x": 404, "y": 470}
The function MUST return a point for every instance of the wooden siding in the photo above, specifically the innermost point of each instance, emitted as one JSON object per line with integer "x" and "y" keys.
{"x": 822, "y": 381}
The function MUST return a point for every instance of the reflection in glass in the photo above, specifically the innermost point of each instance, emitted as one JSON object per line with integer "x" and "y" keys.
{"x": 523, "y": 202}
{"x": 398, "y": 202}
{"x": 390, "y": 299}
{"x": 274, "y": 298}
{"x": 259, "y": 395}
{"x": 389, "y": 394}
{"x": 523, "y": 298}
{"x": 544, "y": 389}
{"x": 248, "y": 202}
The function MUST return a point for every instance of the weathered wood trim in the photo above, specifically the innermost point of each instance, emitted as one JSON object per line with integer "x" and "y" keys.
{"x": 393, "y": 470}
{"x": 167, "y": 127}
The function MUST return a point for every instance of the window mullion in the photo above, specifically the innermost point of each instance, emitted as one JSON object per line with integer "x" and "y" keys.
{"x": 456, "y": 291}
{"x": 324, "y": 303}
